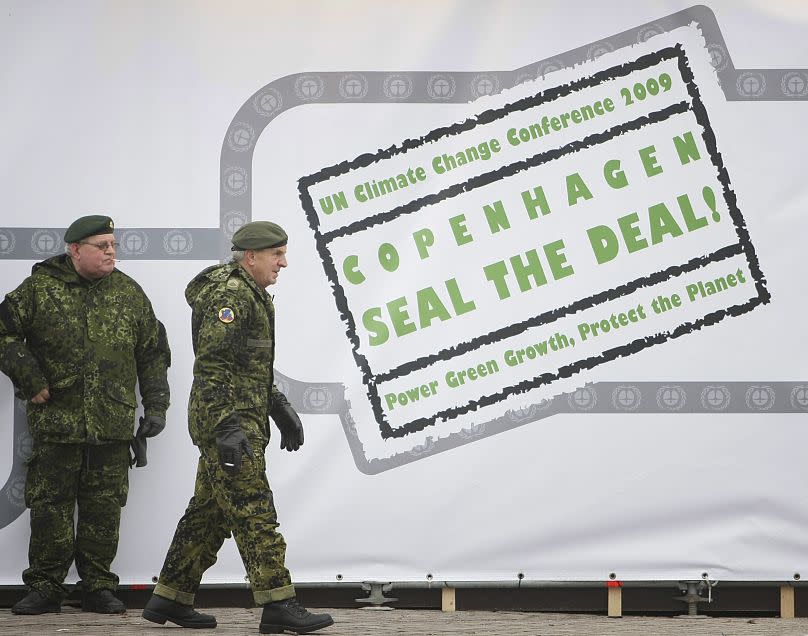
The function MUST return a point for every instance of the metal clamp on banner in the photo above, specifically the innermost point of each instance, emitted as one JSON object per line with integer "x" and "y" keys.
{"x": 376, "y": 598}
{"x": 693, "y": 597}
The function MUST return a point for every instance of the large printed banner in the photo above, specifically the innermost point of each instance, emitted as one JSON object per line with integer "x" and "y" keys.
{"x": 540, "y": 322}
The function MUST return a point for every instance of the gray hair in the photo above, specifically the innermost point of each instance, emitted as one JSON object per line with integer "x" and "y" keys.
{"x": 237, "y": 256}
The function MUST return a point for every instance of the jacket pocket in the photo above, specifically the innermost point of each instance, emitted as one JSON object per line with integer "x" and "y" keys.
{"x": 64, "y": 383}
{"x": 121, "y": 395}
{"x": 251, "y": 398}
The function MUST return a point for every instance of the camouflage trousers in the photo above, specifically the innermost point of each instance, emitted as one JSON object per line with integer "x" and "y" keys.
{"x": 241, "y": 504}
{"x": 60, "y": 477}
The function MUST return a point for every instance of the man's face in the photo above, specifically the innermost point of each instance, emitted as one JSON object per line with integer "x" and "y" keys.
{"x": 264, "y": 265}
{"x": 94, "y": 256}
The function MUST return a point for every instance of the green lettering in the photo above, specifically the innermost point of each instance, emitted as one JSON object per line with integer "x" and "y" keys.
{"x": 495, "y": 273}
{"x": 557, "y": 260}
{"x": 604, "y": 243}
{"x": 692, "y": 221}
{"x": 649, "y": 161}
{"x": 399, "y": 317}
{"x": 379, "y": 333}
{"x": 430, "y": 307}
{"x": 576, "y": 188}
{"x": 531, "y": 269}
{"x": 630, "y": 232}
{"x": 537, "y": 200}
{"x": 686, "y": 148}
{"x": 459, "y": 229}
{"x": 496, "y": 217}
{"x": 459, "y": 305}
{"x": 388, "y": 257}
{"x": 350, "y": 268}
{"x": 423, "y": 239}
{"x": 662, "y": 222}
{"x": 614, "y": 176}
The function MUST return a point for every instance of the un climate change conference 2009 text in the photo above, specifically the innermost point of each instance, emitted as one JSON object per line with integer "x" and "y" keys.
{"x": 485, "y": 150}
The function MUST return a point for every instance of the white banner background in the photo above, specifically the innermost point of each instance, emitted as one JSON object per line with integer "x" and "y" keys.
{"x": 121, "y": 108}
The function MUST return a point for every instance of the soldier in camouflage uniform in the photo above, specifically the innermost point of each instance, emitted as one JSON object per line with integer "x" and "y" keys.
{"x": 233, "y": 393}
{"x": 75, "y": 337}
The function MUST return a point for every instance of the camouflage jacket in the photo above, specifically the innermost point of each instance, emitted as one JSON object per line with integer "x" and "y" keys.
{"x": 88, "y": 342}
{"x": 233, "y": 330}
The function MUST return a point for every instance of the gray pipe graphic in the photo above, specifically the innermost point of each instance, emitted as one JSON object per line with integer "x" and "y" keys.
{"x": 12, "y": 495}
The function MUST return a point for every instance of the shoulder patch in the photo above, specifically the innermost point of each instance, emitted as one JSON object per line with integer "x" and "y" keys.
{"x": 226, "y": 315}
{"x": 233, "y": 283}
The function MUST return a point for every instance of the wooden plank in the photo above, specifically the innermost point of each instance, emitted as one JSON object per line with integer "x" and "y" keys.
{"x": 447, "y": 599}
{"x": 615, "y": 605}
{"x": 786, "y": 601}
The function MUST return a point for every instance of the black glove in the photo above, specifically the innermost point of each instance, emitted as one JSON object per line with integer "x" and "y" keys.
{"x": 288, "y": 423}
{"x": 231, "y": 443}
{"x": 138, "y": 446}
{"x": 150, "y": 426}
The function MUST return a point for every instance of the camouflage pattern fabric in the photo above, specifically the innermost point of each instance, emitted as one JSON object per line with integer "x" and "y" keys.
{"x": 232, "y": 327}
{"x": 233, "y": 339}
{"x": 241, "y": 503}
{"x": 88, "y": 342}
{"x": 59, "y": 477}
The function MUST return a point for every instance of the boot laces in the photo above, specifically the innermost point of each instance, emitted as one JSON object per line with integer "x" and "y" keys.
{"x": 294, "y": 606}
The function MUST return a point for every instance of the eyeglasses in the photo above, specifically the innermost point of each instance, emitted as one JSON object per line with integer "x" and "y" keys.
{"x": 103, "y": 246}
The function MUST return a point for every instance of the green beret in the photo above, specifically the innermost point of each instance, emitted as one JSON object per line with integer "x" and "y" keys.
{"x": 88, "y": 226}
{"x": 259, "y": 235}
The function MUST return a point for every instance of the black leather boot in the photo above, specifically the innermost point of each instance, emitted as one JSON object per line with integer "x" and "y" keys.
{"x": 160, "y": 610}
{"x": 36, "y": 603}
{"x": 102, "y": 602}
{"x": 289, "y": 615}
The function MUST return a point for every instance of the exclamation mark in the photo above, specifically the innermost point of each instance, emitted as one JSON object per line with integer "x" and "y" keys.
{"x": 709, "y": 199}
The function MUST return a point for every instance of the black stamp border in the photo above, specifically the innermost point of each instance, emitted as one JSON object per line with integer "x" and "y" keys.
{"x": 643, "y": 62}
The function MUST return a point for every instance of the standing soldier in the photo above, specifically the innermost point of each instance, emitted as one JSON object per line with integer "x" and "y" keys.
{"x": 75, "y": 337}
{"x": 233, "y": 393}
